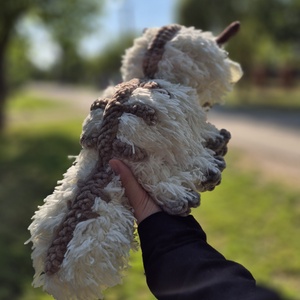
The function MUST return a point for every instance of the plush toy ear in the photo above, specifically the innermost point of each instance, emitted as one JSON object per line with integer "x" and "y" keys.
{"x": 228, "y": 32}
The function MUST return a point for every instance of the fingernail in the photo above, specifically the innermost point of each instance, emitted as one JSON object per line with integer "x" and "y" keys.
{"x": 114, "y": 165}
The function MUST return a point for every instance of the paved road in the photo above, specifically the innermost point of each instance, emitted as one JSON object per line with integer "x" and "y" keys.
{"x": 271, "y": 138}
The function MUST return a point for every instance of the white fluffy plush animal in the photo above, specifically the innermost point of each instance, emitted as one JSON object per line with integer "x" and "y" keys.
{"x": 155, "y": 121}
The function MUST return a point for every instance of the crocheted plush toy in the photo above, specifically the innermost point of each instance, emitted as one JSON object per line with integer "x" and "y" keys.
{"x": 155, "y": 121}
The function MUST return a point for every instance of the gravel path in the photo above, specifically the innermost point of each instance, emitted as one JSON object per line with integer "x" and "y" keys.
{"x": 270, "y": 138}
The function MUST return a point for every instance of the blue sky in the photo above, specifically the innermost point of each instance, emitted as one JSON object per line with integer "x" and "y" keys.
{"x": 119, "y": 16}
{"x": 130, "y": 15}
{"x": 135, "y": 15}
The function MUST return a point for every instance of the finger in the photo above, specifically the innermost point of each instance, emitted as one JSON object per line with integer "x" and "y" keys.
{"x": 142, "y": 203}
{"x": 133, "y": 189}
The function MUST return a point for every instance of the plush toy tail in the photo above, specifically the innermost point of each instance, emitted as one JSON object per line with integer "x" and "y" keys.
{"x": 97, "y": 253}
{"x": 96, "y": 256}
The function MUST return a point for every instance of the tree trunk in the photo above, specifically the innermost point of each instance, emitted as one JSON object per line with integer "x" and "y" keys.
{"x": 3, "y": 90}
{"x": 8, "y": 21}
{"x": 4, "y": 41}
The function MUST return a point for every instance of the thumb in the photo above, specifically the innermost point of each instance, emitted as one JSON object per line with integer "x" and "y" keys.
{"x": 141, "y": 202}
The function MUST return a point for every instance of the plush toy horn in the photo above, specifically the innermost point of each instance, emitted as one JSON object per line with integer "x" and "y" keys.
{"x": 228, "y": 32}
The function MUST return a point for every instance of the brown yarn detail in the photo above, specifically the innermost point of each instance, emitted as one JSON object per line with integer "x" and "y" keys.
{"x": 144, "y": 111}
{"x": 219, "y": 145}
{"x": 123, "y": 150}
{"x": 207, "y": 105}
{"x": 220, "y": 162}
{"x": 156, "y": 49}
{"x": 228, "y": 32}
{"x": 99, "y": 103}
{"x": 212, "y": 179}
{"x": 108, "y": 146}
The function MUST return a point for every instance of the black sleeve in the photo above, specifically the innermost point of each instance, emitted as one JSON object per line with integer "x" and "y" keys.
{"x": 180, "y": 264}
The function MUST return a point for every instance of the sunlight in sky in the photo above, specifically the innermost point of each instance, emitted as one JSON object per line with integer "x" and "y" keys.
{"x": 119, "y": 17}
{"x": 43, "y": 51}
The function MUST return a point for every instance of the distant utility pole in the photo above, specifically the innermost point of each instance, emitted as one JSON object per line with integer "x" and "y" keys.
{"x": 126, "y": 17}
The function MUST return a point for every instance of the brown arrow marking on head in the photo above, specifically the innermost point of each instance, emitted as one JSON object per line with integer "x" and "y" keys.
{"x": 156, "y": 49}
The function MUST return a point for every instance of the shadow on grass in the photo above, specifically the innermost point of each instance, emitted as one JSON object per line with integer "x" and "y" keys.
{"x": 29, "y": 169}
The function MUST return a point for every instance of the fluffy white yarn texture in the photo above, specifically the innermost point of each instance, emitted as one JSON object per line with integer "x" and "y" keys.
{"x": 191, "y": 58}
{"x": 177, "y": 159}
{"x": 98, "y": 253}
{"x": 193, "y": 71}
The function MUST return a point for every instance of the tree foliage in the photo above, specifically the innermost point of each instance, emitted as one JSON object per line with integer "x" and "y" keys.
{"x": 269, "y": 33}
{"x": 67, "y": 20}
{"x": 107, "y": 64}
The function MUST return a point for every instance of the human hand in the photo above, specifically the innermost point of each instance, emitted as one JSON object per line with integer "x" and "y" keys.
{"x": 142, "y": 203}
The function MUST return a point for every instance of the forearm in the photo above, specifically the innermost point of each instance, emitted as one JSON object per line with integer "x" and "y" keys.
{"x": 179, "y": 264}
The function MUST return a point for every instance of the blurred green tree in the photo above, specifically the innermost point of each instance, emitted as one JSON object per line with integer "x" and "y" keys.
{"x": 108, "y": 63}
{"x": 19, "y": 67}
{"x": 67, "y": 21}
{"x": 270, "y": 28}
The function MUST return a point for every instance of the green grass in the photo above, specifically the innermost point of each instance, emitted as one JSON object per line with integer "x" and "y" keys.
{"x": 33, "y": 114}
{"x": 256, "y": 223}
{"x": 31, "y": 103}
{"x": 246, "y": 218}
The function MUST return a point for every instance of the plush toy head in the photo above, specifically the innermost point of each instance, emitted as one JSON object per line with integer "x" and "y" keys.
{"x": 185, "y": 56}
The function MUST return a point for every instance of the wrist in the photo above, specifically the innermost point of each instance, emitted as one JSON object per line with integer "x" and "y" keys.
{"x": 141, "y": 212}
